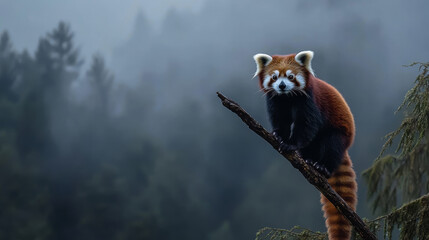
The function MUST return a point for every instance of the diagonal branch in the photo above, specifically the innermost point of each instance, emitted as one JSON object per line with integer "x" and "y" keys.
{"x": 309, "y": 173}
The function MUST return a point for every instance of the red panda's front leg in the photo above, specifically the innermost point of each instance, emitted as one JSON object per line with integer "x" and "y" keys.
{"x": 302, "y": 134}
{"x": 285, "y": 147}
{"x": 303, "y": 128}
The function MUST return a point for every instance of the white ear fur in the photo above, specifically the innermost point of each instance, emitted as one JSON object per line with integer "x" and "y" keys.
{"x": 261, "y": 60}
{"x": 304, "y": 59}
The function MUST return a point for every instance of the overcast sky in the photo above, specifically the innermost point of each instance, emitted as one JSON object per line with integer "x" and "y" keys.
{"x": 103, "y": 25}
{"x": 100, "y": 25}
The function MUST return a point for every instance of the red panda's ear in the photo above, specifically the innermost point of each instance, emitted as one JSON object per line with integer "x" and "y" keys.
{"x": 304, "y": 59}
{"x": 261, "y": 60}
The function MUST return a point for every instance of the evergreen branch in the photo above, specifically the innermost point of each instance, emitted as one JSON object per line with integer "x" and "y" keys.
{"x": 414, "y": 126}
{"x": 406, "y": 174}
{"x": 312, "y": 176}
{"x": 411, "y": 220}
{"x": 297, "y": 233}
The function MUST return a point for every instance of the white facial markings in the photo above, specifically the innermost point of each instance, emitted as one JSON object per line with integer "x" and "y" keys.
{"x": 301, "y": 81}
{"x": 267, "y": 80}
{"x": 289, "y": 85}
{"x": 276, "y": 72}
{"x": 288, "y": 82}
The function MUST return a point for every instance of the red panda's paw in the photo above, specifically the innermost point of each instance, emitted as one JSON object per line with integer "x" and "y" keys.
{"x": 319, "y": 167}
{"x": 284, "y": 147}
{"x": 277, "y": 137}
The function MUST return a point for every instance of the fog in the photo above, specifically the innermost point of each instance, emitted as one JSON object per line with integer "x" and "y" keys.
{"x": 132, "y": 143}
{"x": 100, "y": 25}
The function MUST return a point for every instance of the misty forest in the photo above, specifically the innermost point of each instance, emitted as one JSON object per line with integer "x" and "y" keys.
{"x": 133, "y": 143}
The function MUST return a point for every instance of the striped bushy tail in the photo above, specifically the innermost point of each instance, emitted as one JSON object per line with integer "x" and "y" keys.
{"x": 343, "y": 181}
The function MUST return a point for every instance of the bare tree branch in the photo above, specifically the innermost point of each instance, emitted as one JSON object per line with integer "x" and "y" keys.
{"x": 312, "y": 176}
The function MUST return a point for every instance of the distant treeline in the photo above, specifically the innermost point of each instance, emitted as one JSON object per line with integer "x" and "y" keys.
{"x": 76, "y": 163}
{"x": 69, "y": 170}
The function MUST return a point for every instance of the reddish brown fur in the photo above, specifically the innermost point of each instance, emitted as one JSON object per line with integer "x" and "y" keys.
{"x": 343, "y": 181}
{"x": 337, "y": 111}
{"x": 331, "y": 103}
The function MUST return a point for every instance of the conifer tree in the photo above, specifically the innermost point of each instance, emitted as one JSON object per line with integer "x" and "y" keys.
{"x": 58, "y": 59}
{"x": 397, "y": 179}
{"x": 20, "y": 179}
{"x": 100, "y": 80}
{"x": 8, "y": 67}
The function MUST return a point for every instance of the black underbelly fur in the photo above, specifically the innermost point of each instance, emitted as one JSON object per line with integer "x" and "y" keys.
{"x": 299, "y": 124}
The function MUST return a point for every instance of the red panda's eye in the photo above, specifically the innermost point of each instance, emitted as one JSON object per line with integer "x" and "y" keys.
{"x": 290, "y": 77}
{"x": 275, "y": 77}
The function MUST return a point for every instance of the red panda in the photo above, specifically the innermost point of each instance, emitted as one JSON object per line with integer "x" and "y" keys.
{"x": 310, "y": 116}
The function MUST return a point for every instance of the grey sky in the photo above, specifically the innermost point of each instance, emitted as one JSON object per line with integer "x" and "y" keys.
{"x": 100, "y": 25}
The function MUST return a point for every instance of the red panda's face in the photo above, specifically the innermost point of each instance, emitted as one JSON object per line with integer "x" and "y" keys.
{"x": 283, "y": 74}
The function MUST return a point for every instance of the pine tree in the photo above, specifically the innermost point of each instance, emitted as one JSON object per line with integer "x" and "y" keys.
{"x": 397, "y": 179}
{"x": 20, "y": 178}
{"x": 58, "y": 62}
{"x": 100, "y": 80}
{"x": 8, "y": 67}
{"x": 58, "y": 59}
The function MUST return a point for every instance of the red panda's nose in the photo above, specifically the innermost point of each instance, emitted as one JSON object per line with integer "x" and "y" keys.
{"x": 282, "y": 86}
